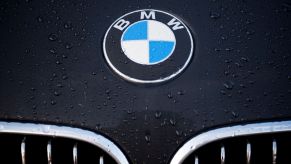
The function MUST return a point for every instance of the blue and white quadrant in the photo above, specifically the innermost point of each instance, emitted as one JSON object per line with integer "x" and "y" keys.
{"x": 148, "y": 42}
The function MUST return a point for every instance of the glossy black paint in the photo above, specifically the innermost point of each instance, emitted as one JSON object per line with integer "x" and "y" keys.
{"x": 52, "y": 70}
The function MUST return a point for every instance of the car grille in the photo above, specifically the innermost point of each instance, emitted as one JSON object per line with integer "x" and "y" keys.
{"x": 256, "y": 149}
{"x": 50, "y": 144}
{"x": 41, "y": 149}
{"x": 246, "y": 144}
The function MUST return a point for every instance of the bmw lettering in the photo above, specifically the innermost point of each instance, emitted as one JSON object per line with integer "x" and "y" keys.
{"x": 148, "y": 46}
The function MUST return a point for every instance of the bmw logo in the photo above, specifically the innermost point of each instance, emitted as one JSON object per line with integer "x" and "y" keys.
{"x": 148, "y": 46}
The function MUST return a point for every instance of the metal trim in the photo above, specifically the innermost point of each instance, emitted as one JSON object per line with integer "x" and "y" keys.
{"x": 49, "y": 152}
{"x": 23, "y": 151}
{"x": 222, "y": 154}
{"x": 228, "y": 132}
{"x": 75, "y": 154}
{"x": 65, "y": 132}
{"x": 249, "y": 152}
{"x": 274, "y": 151}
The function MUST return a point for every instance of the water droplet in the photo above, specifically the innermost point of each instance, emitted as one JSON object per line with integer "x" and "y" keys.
{"x": 56, "y": 93}
{"x": 226, "y": 73}
{"x": 147, "y": 137}
{"x": 180, "y": 93}
{"x": 59, "y": 85}
{"x": 68, "y": 46}
{"x": 158, "y": 114}
{"x": 214, "y": 15}
{"x": 98, "y": 127}
{"x": 107, "y": 91}
{"x": 53, "y": 37}
{"x": 64, "y": 77}
{"x": 228, "y": 85}
{"x": 58, "y": 62}
{"x": 244, "y": 59}
{"x": 53, "y": 51}
{"x": 39, "y": 19}
{"x": 250, "y": 32}
{"x": 234, "y": 114}
{"x": 228, "y": 49}
{"x": 178, "y": 133}
{"x": 53, "y": 102}
{"x": 68, "y": 25}
{"x": 222, "y": 92}
{"x": 223, "y": 37}
{"x": 173, "y": 121}
{"x": 129, "y": 111}
{"x": 249, "y": 99}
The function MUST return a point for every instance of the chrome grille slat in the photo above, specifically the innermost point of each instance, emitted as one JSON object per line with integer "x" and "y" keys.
{"x": 101, "y": 160}
{"x": 222, "y": 155}
{"x": 249, "y": 152}
{"x": 75, "y": 154}
{"x": 22, "y": 147}
{"x": 49, "y": 152}
{"x": 196, "y": 160}
{"x": 274, "y": 151}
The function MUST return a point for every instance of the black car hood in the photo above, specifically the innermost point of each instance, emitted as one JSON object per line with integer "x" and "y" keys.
{"x": 52, "y": 70}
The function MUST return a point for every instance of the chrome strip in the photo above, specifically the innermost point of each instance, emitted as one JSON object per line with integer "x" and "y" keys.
{"x": 249, "y": 152}
{"x": 66, "y": 132}
{"x": 75, "y": 153}
{"x": 222, "y": 155}
{"x": 228, "y": 132}
{"x": 23, "y": 151}
{"x": 49, "y": 152}
{"x": 101, "y": 160}
{"x": 196, "y": 160}
{"x": 274, "y": 152}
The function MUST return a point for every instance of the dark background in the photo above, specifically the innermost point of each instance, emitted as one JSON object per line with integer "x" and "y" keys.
{"x": 52, "y": 70}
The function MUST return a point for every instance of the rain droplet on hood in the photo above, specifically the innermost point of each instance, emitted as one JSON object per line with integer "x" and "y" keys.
{"x": 53, "y": 37}
{"x": 214, "y": 15}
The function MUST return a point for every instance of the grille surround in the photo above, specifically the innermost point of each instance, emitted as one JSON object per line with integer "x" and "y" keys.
{"x": 65, "y": 132}
{"x": 228, "y": 132}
